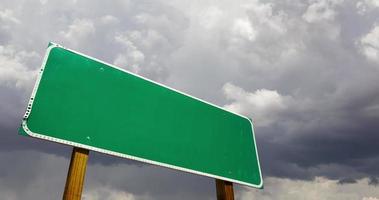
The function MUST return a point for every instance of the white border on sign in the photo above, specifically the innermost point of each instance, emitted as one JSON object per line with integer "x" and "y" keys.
{"x": 40, "y": 136}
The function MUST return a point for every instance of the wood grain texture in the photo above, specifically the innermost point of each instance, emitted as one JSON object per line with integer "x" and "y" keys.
{"x": 76, "y": 173}
{"x": 224, "y": 190}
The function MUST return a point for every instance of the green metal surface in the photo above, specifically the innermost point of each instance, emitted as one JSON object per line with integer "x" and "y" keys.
{"x": 83, "y": 102}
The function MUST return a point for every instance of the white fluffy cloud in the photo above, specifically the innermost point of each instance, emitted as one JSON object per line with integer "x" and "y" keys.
{"x": 109, "y": 19}
{"x": 107, "y": 193}
{"x": 244, "y": 29}
{"x": 138, "y": 51}
{"x": 320, "y": 10}
{"x": 263, "y": 105}
{"x": 14, "y": 71}
{"x": 319, "y": 188}
{"x": 8, "y": 15}
{"x": 367, "y": 6}
{"x": 80, "y": 29}
{"x": 132, "y": 57}
{"x": 370, "y": 198}
{"x": 369, "y": 44}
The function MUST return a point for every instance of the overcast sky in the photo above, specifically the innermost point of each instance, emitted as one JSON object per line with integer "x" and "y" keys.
{"x": 306, "y": 72}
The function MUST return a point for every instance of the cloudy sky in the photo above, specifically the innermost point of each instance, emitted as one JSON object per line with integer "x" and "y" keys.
{"x": 306, "y": 72}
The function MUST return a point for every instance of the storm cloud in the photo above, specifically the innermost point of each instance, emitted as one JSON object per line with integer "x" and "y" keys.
{"x": 306, "y": 72}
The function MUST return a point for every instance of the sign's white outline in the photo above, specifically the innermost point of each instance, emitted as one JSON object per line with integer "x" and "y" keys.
{"x": 40, "y": 136}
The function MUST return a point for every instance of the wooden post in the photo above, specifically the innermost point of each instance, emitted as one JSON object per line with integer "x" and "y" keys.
{"x": 224, "y": 190}
{"x": 76, "y": 172}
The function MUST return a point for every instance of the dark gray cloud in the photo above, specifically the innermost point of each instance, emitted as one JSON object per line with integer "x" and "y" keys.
{"x": 373, "y": 181}
{"x": 347, "y": 181}
{"x": 305, "y": 71}
{"x": 41, "y": 176}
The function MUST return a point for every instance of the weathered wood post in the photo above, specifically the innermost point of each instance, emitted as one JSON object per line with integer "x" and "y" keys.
{"x": 76, "y": 173}
{"x": 224, "y": 190}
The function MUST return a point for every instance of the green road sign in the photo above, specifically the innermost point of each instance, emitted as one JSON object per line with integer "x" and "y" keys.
{"x": 81, "y": 101}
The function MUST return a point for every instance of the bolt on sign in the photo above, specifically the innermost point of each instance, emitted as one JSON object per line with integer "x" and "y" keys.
{"x": 84, "y": 102}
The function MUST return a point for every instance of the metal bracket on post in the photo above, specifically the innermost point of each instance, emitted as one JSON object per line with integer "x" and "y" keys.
{"x": 224, "y": 190}
{"x": 76, "y": 173}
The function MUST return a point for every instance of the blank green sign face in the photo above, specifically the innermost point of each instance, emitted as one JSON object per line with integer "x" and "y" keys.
{"x": 83, "y": 102}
